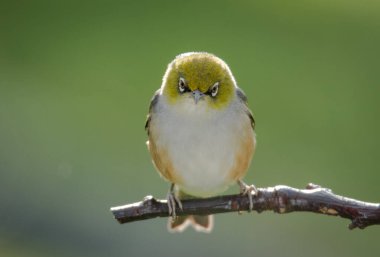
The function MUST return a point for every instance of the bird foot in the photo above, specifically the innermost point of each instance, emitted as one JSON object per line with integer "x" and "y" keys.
{"x": 173, "y": 201}
{"x": 249, "y": 190}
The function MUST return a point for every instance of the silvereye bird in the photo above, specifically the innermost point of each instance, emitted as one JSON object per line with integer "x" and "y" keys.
{"x": 201, "y": 133}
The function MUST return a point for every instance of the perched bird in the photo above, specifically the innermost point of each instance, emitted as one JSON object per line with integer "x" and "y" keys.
{"x": 201, "y": 133}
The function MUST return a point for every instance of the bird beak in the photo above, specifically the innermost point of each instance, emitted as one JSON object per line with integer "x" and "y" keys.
{"x": 197, "y": 95}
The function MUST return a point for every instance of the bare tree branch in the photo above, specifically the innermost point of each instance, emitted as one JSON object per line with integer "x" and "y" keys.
{"x": 280, "y": 199}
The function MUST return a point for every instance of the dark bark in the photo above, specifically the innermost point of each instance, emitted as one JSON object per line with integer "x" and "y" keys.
{"x": 280, "y": 199}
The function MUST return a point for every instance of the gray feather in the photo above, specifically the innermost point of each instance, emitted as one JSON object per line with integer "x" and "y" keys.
{"x": 153, "y": 104}
{"x": 243, "y": 98}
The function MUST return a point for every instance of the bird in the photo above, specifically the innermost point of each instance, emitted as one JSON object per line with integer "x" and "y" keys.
{"x": 201, "y": 134}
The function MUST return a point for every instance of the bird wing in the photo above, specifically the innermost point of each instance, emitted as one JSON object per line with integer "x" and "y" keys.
{"x": 243, "y": 98}
{"x": 152, "y": 105}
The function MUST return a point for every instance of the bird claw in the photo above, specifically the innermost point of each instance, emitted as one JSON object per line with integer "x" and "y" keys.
{"x": 173, "y": 201}
{"x": 250, "y": 191}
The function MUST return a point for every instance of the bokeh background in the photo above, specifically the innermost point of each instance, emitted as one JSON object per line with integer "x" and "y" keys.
{"x": 76, "y": 78}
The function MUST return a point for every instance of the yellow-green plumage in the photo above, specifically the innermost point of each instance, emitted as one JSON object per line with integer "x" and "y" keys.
{"x": 201, "y": 71}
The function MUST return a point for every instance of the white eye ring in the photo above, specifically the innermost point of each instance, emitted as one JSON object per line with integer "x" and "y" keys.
{"x": 181, "y": 85}
{"x": 214, "y": 89}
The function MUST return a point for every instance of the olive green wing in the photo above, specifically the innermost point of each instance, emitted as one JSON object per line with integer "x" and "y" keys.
{"x": 152, "y": 106}
{"x": 243, "y": 98}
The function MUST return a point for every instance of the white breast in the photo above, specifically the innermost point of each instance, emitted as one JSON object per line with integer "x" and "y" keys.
{"x": 200, "y": 142}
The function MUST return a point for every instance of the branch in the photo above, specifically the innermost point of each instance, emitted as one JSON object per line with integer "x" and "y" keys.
{"x": 280, "y": 199}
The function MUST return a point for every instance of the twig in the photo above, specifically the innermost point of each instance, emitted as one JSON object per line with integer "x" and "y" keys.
{"x": 280, "y": 199}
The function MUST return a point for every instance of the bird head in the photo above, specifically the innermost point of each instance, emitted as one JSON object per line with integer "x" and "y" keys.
{"x": 201, "y": 77}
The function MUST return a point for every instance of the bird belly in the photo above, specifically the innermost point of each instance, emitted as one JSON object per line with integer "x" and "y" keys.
{"x": 202, "y": 151}
{"x": 204, "y": 165}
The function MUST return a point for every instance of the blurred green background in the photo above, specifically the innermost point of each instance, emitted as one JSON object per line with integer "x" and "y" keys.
{"x": 76, "y": 78}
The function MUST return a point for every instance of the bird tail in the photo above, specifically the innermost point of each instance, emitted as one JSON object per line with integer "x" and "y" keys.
{"x": 200, "y": 223}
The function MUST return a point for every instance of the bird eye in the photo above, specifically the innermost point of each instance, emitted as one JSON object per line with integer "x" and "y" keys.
{"x": 214, "y": 89}
{"x": 181, "y": 85}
